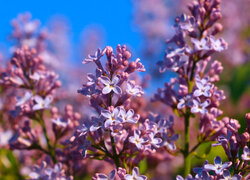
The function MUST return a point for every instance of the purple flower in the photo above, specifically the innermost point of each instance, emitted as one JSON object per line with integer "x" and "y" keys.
{"x": 189, "y": 177}
{"x": 218, "y": 167}
{"x": 111, "y": 85}
{"x": 139, "y": 66}
{"x": 22, "y": 100}
{"x": 154, "y": 141}
{"x": 246, "y": 154}
{"x": 218, "y": 45}
{"x": 47, "y": 173}
{"x": 199, "y": 170}
{"x": 135, "y": 175}
{"x": 42, "y": 103}
{"x": 111, "y": 117}
{"x": 202, "y": 44}
{"x": 227, "y": 176}
{"x": 91, "y": 58}
{"x": 203, "y": 87}
{"x": 174, "y": 52}
{"x": 169, "y": 141}
{"x": 185, "y": 101}
{"x": 127, "y": 116}
{"x": 100, "y": 176}
{"x": 133, "y": 89}
{"x": 199, "y": 107}
{"x": 60, "y": 122}
{"x": 137, "y": 140}
{"x": 185, "y": 23}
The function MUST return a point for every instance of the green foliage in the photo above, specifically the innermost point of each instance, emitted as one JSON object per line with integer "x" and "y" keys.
{"x": 240, "y": 82}
{"x": 9, "y": 167}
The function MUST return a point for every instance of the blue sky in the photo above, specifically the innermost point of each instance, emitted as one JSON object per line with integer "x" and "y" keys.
{"x": 115, "y": 16}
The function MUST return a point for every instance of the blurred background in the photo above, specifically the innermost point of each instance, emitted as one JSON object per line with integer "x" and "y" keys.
{"x": 70, "y": 30}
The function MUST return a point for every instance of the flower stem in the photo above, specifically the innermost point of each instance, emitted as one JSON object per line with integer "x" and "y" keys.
{"x": 51, "y": 150}
{"x": 187, "y": 162}
{"x": 115, "y": 156}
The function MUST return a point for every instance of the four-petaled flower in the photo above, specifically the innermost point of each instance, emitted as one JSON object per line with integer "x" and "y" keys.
{"x": 127, "y": 116}
{"x": 133, "y": 89}
{"x": 218, "y": 44}
{"x": 137, "y": 140}
{"x": 59, "y": 122}
{"x": 199, "y": 107}
{"x": 202, "y": 44}
{"x": 42, "y": 103}
{"x": 111, "y": 117}
{"x": 185, "y": 101}
{"x": 98, "y": 54}
{"x": 100, "y": 176}
{"x": 246, "y": 154}
{"x": 135, "y": 175}
{"x": 218, "y": 167}
{"x": 111, "y": 85}
{"x": 203, "y": 87}
{"x": 22, "y": 100}
{"x": 154, "y": 141}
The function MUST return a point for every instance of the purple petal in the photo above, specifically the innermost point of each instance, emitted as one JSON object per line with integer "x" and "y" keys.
{"x": 106, "y": 90}
{"x": 115, "y": 80}
{"x": 112, "y": 174}
{"x": 105, "y": 80}
{"x": 217, "y": 160}
{"x": 117, "y": 90}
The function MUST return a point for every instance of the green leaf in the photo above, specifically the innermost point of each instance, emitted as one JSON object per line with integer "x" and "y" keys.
{"x": 143, "y": 166}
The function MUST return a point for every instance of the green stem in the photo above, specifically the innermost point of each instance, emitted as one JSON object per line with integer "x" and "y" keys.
{"x": 50, "y": 148}
{"x": 187, "y": 162}
{"x": 115, "y": 155}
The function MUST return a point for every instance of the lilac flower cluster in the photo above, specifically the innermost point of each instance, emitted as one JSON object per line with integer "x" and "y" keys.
{"x": 116, "y": 132}
{"x": 193, "y": 91}
{"x": 220, "y": 171}
{"x": 111, "y": 91}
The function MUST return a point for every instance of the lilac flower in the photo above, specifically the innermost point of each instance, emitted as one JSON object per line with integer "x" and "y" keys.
{"x": 137, "y": 140}
{"x": 127, "y": 116}
{"x": 218, "y": 45}
{"x": 218, "y": 167}
{"x": 189, "y": 177}
{"x": 139, "y": 66}
{"x": 154, "y": 141}
{"x": 22, "y": 100}
{"x": 111, "y": 85}
{"x": 36, "y": 76}
{"x": 169, "y": 141}
{"x": 100, "y": 176}
{"x": 246, "y": 154}
{"x": 91, "y": 58}
{"x": 227, "y": 176}
{"x": 200, "y": 107}
{"x": 185, "y": 23}
{"x": 97, "y": 122}
{"x": 203, "y": 88}
{"x": 185, "y": 101}
{"x": 199, "y": 170}
{"x": 174, "y": 52}
{"x": 60, "y": 122}
{"x": 42, "y": 103}
{"x": 133, "y": 89}
{"x": 135, "y": 175}
{"x": 202, "y": 44}
{"x": 47, "y": 173}
{"x": 111, "y": 117}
